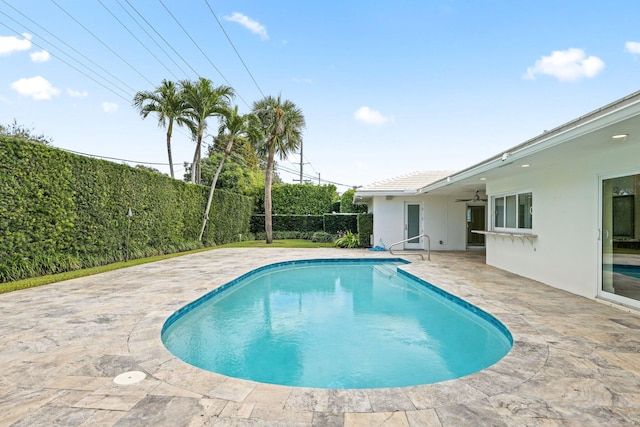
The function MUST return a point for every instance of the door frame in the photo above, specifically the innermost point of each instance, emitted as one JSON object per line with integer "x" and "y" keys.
{"x": 603, "y": 234}
{"x": 420, "y": 243}
{"x": 467, "y": 225}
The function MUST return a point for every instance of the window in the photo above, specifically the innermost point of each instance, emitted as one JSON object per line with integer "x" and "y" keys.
{"x": 513, "y": 211}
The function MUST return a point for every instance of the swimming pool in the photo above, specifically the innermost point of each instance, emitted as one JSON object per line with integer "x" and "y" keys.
{"x": 337, "y": 324}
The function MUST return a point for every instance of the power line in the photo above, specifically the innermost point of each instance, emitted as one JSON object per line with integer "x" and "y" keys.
{"x": 118, "y": 159}
{"x": 65, "y": 53}
{"x": 163, "y": 39}
{"x": 72, "y": 66}
{"x": 151, "y": 37}
{"x": 136, "y": 38}
{"x": 102, "y": 42}
{"x": 234, "y": 47}
{"x": 311, "y": 177}
{"x": 201, "y": 51}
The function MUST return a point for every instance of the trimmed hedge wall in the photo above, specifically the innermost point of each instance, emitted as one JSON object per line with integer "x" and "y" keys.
{"x": 300, "y": 223}
{"x": 365, "y": 229}
{"x": 61, "y": 211}
{"x": 333, "y": 223}
{"x": 298, "y": 199}
{"x": 329, "y": 223}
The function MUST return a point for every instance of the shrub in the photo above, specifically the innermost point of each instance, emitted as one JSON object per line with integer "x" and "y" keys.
{"x": 348, "y": 240}
{"x": 322, "y": 237}
{"x": 365, "y": 229}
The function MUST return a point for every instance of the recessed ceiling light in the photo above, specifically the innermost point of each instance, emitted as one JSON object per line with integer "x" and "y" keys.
{"x": 525, "y": 165}
{"x": 620, "y": 136}
{"x": 483, "y": 179}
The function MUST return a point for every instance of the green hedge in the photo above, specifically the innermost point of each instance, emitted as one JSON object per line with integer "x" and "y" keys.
{"x": 301, "y": 223}
{"x": 61, "y": 212}
{"x": 333, "y": 223}
{"x": 298, "y": 199}
{"x": 365, "y": 229}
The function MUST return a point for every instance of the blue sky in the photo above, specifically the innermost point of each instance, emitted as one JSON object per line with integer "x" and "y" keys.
{"x": 387, "y": 88}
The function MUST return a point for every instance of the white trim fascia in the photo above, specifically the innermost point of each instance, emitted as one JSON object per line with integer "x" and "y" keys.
{"x": 572, "y": 130}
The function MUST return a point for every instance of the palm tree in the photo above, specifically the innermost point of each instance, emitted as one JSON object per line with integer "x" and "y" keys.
{"x": 278, "y": 128}
{"x": 165, "y": 100}
{"x": 203, "y": 101}
{"x": 232, "y": 126}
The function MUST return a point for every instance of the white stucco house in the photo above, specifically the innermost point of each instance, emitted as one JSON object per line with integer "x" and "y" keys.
{"x": 560, "y": 208}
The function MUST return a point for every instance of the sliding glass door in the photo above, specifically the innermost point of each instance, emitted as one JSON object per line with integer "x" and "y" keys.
{"x": 620, "y": 238}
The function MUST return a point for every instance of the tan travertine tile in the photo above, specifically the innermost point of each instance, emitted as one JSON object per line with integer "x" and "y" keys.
{"x": 237, "y": 410}
{"x": 386, "y": 419}
{"x": 574, "y": 361}
{"x": 110, "y": 403}
{"x": 269, "y": 394}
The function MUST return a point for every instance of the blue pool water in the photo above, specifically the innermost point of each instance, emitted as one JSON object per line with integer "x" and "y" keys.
{"x": 627, "y": 270}
{"x": 339, "y": 324}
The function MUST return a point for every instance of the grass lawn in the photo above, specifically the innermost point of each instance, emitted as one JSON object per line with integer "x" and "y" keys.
{"x": 52, "y": 278}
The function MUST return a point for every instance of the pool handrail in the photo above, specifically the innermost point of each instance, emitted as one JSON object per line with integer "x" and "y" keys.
{"x": 417, "y": 253}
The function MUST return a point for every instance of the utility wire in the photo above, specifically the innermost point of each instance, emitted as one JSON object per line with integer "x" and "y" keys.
{"x": 133, "y": 18}
{"x": 68, "y": 45}
{"x": 136, "y": 38}
{"x": 70, "y": 65}
{"x": 234, "y": 47}
{"x": 118, "y": 159}
{"x": 311, "y": 177}
{"x": 163, "y": 39}
{"x": 102, "y": 42}
{"x": 201, "y": 51}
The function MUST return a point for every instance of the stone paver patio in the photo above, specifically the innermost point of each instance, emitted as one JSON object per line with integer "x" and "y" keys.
{"x": 575, "y": 361}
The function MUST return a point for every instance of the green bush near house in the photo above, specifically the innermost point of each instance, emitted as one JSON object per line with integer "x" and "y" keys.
{"x": 334, "y": 223}
{"x": 365, "y": 229}
{"x": 62, "y": 212}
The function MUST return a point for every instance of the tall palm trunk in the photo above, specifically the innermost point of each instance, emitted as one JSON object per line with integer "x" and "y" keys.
{"x": 195, "y": 167}
{"x": 227, "y": 151}
{"x": 268, "y": 220}
{"x": 169, "y": 131}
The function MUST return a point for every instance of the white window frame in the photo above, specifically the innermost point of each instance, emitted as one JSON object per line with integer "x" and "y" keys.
{"x": 504, "y": 227}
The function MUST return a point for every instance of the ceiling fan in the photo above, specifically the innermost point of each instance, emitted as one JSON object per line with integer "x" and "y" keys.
{"x": 476, "y": 198}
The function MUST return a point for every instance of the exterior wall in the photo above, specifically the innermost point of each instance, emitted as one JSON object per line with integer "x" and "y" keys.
{"x": 442, "y": 219}
{"x": 566, "y": 212}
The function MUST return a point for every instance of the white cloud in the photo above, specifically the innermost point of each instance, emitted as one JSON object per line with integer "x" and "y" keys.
{"x": 109, "y": 107}
{"x": 254, "y": 26}
{"x": 10, "y": 44}
{"x": 35, "y": 87}
{"x": 42, "y": 56}
{"x": 566, "y": 65}
{"x": 76, "y": 93}
{"x": 632, "y": 47}
{"x": 372, "y": 117}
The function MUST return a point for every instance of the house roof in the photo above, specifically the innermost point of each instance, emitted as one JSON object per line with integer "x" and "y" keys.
{"x": 590, "y": 132}
{"x": 409, "y": 183}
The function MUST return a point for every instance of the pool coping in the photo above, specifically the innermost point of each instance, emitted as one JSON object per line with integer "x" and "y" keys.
{"x": 472, "y": 309}
{"x": 496, "y": 379}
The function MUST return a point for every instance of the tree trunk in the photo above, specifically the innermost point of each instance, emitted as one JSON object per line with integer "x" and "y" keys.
{"x": 193, "y": 166}
{"x": 169, "y": 131}
{"x": 268, "y": 222}
{"x": 213, "y": 187}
